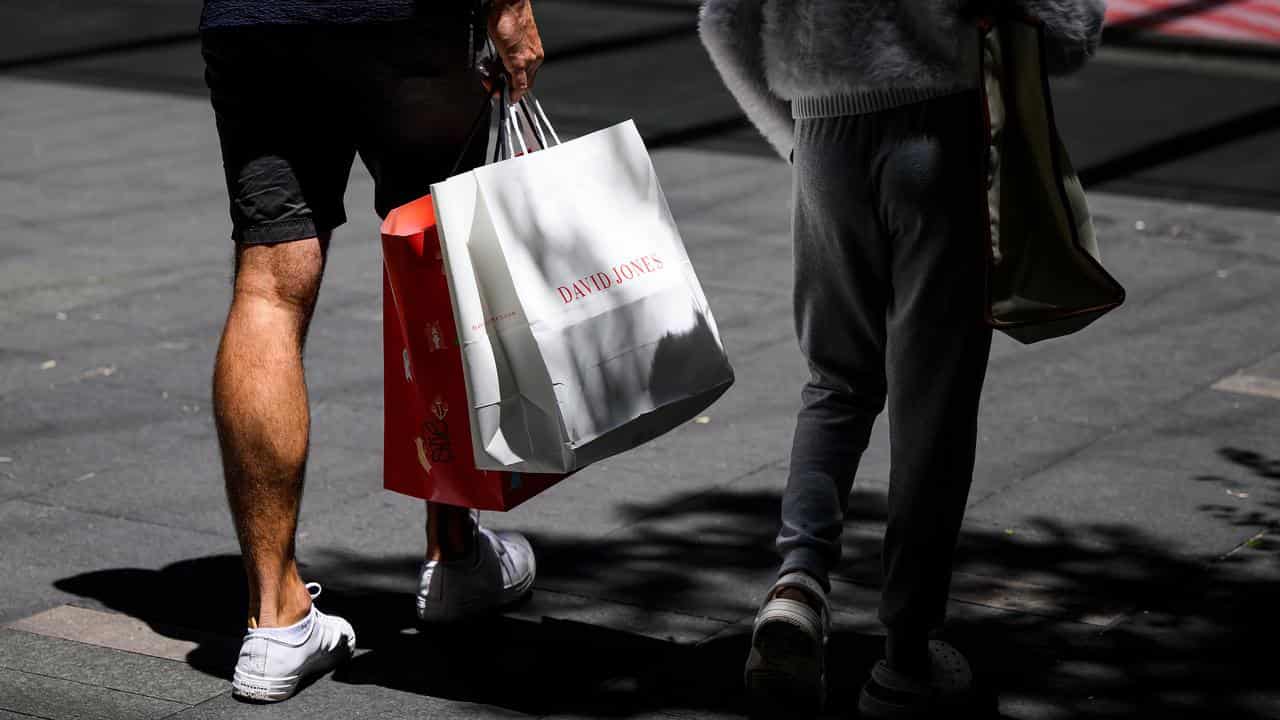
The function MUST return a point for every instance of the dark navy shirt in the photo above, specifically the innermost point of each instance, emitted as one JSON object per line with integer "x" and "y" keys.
{"x": 232, "y": 13}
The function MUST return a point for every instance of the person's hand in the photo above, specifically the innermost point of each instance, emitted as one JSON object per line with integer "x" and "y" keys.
{"x": 515, "y": 35}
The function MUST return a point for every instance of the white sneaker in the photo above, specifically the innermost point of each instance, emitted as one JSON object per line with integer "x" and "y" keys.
{"x": 270, "y": 668}
{"x": 501, "y": 572}
{"x": 786, "y": 673}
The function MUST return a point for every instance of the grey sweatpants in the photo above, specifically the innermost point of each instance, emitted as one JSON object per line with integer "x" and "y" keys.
{"x": 889, "y": 296}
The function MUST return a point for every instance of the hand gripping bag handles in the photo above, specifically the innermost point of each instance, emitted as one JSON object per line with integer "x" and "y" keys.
{"x": 578, "y": 328}
{"x": 1044, "y": 277}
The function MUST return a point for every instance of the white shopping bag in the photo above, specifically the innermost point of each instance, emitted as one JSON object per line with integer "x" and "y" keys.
{"x": 583, "y": 327}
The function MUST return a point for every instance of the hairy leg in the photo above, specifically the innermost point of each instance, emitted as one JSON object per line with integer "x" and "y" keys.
{"x": 260, "y": 406}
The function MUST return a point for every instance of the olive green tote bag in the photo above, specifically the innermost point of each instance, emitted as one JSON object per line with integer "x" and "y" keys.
{"x": 1044, "y": 279}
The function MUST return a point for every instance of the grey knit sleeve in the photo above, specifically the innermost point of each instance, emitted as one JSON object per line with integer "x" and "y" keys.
{"x": 730, "y": 30}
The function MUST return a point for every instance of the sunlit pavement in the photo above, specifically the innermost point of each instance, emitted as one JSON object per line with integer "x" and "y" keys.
{"x": 1118, "y": 558}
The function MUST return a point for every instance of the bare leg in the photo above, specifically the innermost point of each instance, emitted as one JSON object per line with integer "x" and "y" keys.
{"x": 450, "y": 532}
{"x": 260, "y": 406}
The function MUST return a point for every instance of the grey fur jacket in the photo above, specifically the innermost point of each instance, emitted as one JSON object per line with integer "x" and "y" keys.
{"x": 783, "y": 59}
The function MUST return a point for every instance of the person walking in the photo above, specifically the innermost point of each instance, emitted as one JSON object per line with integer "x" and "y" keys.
{"x": 299, "y": 88}
{"x": 876, "y": 104}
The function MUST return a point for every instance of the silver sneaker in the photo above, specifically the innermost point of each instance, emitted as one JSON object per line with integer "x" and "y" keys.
{"x": 269, "y": 669}
{"x": 500, "y": 572}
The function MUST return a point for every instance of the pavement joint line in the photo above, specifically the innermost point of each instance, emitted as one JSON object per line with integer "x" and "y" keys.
{"x": 97, "y": 51}
{"x": 1221, "y": 251}
{"x": 169, "y": 201}
{"x": 1172, "y": 58}
{"x": 728, "y": 627}
{"x": 23, "y": 714}
{"x": 1141, "y": 420}
{"x": 1181, "y": 145}
{"x": 187, "y": 272}
{"x": 1229, "y": 197}
{"x": 16, "y": 626}
{"x": 92, "y": 685}
{"x": 726, "y": 287}
{"x": 625, "y": 43}
{"x": 638, "y": 606}
{"x": 176, "y": 713}
{"x": 1233, "y": 253}
{"x": 33, "y": 500}
{"x": 1049, "y": 464}
{"x": 23, "y": 176}
{"x": 1056, "y": 617}
{"x": 1157, "y": 296}
{"x": 763, "y": 345}
{"x": 178, "y": 395}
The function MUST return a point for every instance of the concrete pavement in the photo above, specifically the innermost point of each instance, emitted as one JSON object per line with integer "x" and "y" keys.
{"x": 1119, "y": 557}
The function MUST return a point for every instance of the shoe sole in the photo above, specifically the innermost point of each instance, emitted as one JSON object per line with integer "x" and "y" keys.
{"x": 458, "y": 612}
{"x": 263, "y": 689}
{"x": 785, "y": 676}
{"x": 870, "y": 706}
{"x": 259, "y": 688}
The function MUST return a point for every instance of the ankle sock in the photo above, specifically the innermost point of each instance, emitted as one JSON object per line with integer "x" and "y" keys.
{"x": 294, "y": 634}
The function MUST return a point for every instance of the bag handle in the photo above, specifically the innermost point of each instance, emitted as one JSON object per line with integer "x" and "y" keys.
{"x": 505, "y": 120}
{"x": 513, "y": 120}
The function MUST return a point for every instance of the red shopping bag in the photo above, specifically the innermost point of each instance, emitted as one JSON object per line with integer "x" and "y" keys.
{"x": 427, "y": 449}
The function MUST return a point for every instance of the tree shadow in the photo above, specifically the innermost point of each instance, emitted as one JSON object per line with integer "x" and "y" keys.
{"x": 1091, "y": 621}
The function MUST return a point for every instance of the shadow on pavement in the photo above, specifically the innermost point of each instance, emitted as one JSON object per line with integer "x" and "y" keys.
{"x": 201, "y": 600}
{"x": 1191, "y": 639}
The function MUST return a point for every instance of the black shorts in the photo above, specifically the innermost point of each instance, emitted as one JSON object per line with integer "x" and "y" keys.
{"x": 296, "y": 103}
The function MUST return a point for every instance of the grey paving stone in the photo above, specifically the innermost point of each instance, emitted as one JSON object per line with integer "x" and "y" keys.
{"x": 677, "y": 74}
{"x": 102, "y": 191}
{"x": 106, "y": 668}
{"x": 1143, "y": 358}
{"x": 1147, "y": 117}
{"x": 56, "y": 699}
{"x": 726, "y": 256}
{"x": 749, "y": 196}
{"x": 566, "y": 24}
{"x": 77, "y": 430}
{"x": 1134, "y": 505}
{"x": 117, "y": 23}
{"x": 352, "y": 427}
{"x": 10, "y": 484}
{"x": 69, "y": 349}
{"x": 193, "y": 298}
{"x": 45, "y": 136}
{"x": 97, "y": 288}
{"x": 55, "y": 555}
{"x": 179, "y": 482}
{"x": 174, "y": 68}
{"x": 1167, "y": 106}
{"x": 102, "y": 629}
{"x": 670, "y": 627}
{"x": 1012, "y": 447}
{"x": 328, "y": 698}
{"x": 671, "y": 540}
{"x": 701, "y": 552}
